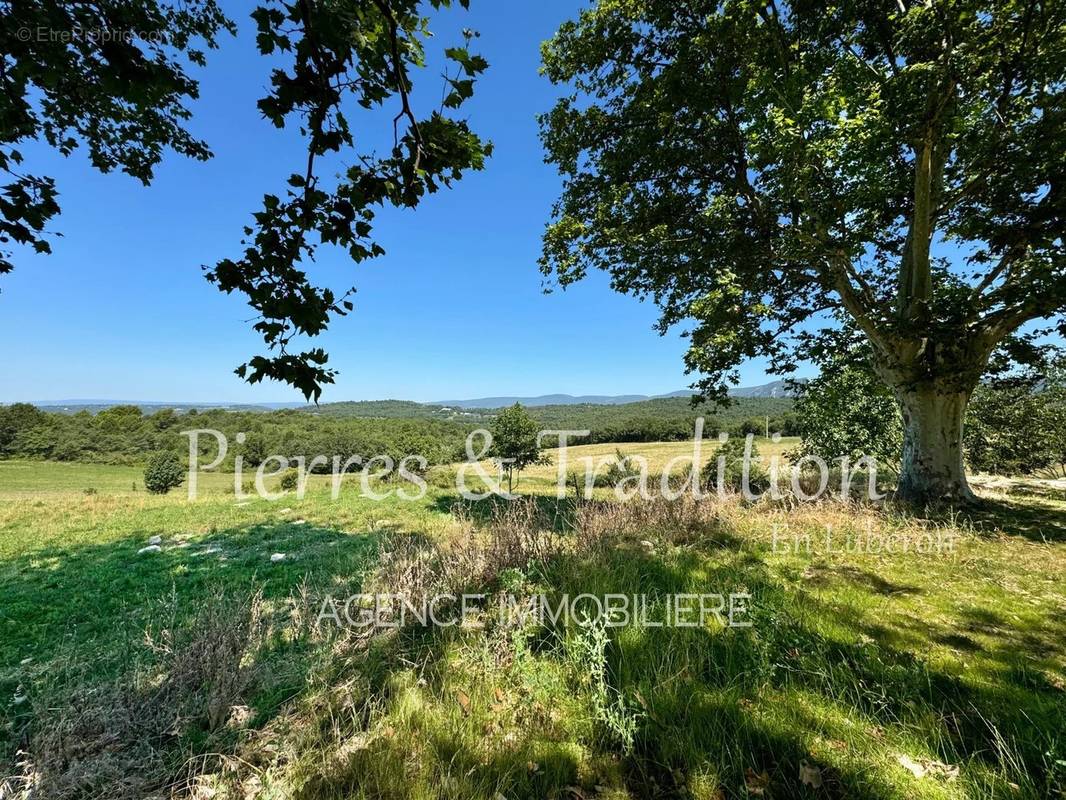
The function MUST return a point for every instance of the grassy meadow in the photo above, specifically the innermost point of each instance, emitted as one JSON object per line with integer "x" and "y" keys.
{"x": 888, "y": 656}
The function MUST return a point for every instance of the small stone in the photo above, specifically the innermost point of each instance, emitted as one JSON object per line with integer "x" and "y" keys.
{"x": 19, "y": 699}
{"x": 26, "y": 661}
{"x": 156, "y": 540}
{"x": 299, "y": 522}
{"x": 152, "y": 548}
{"x": 274, "y": 559}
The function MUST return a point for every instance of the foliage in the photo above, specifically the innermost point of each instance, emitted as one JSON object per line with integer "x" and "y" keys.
{"x": 163, "y": 473}
{"x": 617, "y": 720}
{"x": 394, "y": 428}
{"x": 666, "y": 419}
{"x": 515, "y": 441}
{"x": 750, "y": 167}
{"x": 15, "y": 418}
{"x": 380, "y": 409}
{"x": 1017, "y": 428}
{"x": 728, "y": 464}
{"x": 620, "y": 468}
{"x": 661, "y": 419}
{"x": 1054, "y": 417}
{"x": 849, "y": 413}
{"x": 111, "y": 75}
{"x": 1015, "y": 423}
{"x": 289, "y": 433}
{"x": 290, "y": 480}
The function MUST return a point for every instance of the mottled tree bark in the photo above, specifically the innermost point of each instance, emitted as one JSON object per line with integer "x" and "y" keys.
{"x": 932, "y": 468}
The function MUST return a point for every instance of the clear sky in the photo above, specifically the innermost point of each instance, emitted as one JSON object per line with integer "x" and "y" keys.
{"x": 453, "y": 310}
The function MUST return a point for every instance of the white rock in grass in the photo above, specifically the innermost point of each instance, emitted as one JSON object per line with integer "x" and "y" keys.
{"x": 152, "y": 548}
{"x": 26, "y": 661}
{"x": 299, "y": 522}
{"x": 18, "y": 699}
{"x": 274, "y": 559}
{"x": 156, "y": 540}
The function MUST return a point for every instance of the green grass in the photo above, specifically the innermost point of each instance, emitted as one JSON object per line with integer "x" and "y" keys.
{"x": 855, "y": 662}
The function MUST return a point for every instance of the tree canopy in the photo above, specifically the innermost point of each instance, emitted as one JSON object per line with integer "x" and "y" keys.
{"x": 112, "y": 76}
{"x": 515, "y": 441}
{"x": 755, "y": 167}
{"x": 750, "y": 166}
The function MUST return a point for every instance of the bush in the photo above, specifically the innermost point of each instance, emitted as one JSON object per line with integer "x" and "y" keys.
{"x": 618, "y": 470}
{"x": 1014, "y": 429}
{"x": 848, "y": 412}
{"x": 290, "y": 479}
{"x": 163, "y": 473}
{"x": 733, "y": 474}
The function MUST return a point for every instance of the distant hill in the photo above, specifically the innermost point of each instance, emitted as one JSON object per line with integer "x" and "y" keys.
{"x": 773, "y": 389}
{"x": 544, "y": 400}
{"x": 472, "y": 410}
{"x": 151, "y": 406}
{"x": 381, "y": 409}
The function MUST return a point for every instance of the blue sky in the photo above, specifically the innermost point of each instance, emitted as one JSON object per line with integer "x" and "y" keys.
{"x": 454, "y": 309}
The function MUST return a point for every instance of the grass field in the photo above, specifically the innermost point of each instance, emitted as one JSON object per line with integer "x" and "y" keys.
{"x": 930, "y": 666}
{"x": 657, "y": 454}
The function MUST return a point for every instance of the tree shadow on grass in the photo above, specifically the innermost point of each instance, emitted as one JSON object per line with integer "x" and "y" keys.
{"x": 1003, "y": 725}
{"x": 555, "y": 514}
{"x": 55, "y": 597}
{"x": 708, "y": 701}
{"x": 703, "y": 699}
{"x": 79, "y": 615}
{"x": 1031, "y": 518}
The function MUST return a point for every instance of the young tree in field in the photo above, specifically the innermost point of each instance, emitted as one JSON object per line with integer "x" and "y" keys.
{"x": 163, "y": 473}
{"x": 755, "y": 167}
{"x": 112, "y": 76}
{"x": 514, "y": 441}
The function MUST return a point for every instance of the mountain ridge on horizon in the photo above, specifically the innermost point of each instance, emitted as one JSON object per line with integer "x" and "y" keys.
{"x": 776, "y": 388}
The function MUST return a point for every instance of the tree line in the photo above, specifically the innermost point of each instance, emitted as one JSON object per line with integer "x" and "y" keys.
{"x": 125, "y": 434}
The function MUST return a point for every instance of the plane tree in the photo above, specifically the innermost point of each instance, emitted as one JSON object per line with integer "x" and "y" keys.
{"x": 763, "y": 169}
{"x": 113, "y": 78}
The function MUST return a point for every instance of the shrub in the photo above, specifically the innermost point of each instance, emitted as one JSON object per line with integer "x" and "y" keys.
{"x": 618, "y": 470}
{"x": 732, "y": 450}
{"x": 290, "y": 479}
{"x": 848, "y": 411}
{"x": 163, "y": 473}
{"x": 1015, "y": 428}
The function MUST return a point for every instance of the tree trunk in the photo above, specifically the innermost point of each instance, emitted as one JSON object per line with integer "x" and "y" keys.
{"x": 932, "y": 467}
